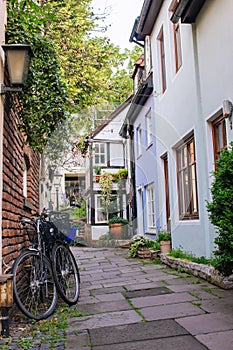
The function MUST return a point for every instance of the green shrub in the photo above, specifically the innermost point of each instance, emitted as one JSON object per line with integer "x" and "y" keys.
{"x": 118, "y": 220}
{"x": 179, "y": 254}
{"x": 163, "y": 236}
{"x": 221, "y": 211}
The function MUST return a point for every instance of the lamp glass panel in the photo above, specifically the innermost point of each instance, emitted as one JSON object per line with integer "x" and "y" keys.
{"x": 17, "y": 60}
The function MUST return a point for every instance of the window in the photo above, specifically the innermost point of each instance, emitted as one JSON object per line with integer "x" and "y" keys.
{"x": 219, "y": 136}
{"x": 162, "y": 60}
{"x": 150, "y": 200}
{"x": 139, "y": 141}
{"x": 100, "y": 154}
{"x": 187, "y": 182}
{"x": 103, "y": 214}
{"x": 100, "y": 215}
{"x": 149, "y": 128}
{"x": 177, "y": 40}
{"x": 147, "y": 55}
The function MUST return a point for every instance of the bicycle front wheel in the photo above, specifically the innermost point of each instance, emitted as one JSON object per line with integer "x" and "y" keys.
{"x": 33, "y": 285}
{"x": 66, "y": 273}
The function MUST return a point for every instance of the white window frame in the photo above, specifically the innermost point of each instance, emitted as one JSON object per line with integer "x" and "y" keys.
{"x": 139, "y": 141}
{"x": 147, "y": 53}
{"x": 100, "y": 154}
{"x": 149, "y": 127}
{"x": 150, "y": 201}
{"x": 98, "y": 210}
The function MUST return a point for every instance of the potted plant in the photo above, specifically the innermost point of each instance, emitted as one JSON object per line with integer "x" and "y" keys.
{"x": 97, "y": 173}
{"x": 122, "y": 173}
{"x": 143, "y": 247}
{"x": 164, "y": 239}
{"x": 117, "y": 225}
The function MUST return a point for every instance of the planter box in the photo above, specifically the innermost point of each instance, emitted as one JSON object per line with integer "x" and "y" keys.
{"x": 165, "y": 246}
{"x": 144, "y": 253}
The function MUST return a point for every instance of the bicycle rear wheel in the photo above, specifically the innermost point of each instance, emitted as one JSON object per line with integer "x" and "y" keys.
{"x": 33, "y": 285}
{"x": 66, "y": 273}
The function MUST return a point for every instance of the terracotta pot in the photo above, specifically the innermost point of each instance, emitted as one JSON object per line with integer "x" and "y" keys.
{"x": 116, "y": 230}
{"x": 165, "y": 246}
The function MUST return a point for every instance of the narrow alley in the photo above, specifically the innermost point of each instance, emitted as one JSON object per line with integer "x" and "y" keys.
{"x": 134, "y": 304}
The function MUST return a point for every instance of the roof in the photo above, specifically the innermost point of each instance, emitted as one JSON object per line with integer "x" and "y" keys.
{"x": 187, "y": 10}
{"x": 145, "y": 22}
{"x": 113, "y": 115}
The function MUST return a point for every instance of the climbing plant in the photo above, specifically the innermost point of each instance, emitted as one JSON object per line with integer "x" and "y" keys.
{"x": 44, "y": 95}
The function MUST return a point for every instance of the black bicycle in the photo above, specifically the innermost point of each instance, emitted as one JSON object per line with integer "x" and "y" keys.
{"x": 44, "y": 268}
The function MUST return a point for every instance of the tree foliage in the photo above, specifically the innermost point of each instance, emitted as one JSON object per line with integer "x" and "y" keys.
{"x": 221, "y": 211}
{"x": 71, "y": 70}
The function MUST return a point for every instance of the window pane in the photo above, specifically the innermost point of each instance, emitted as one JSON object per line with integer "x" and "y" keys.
{"x": 187, "y": 182}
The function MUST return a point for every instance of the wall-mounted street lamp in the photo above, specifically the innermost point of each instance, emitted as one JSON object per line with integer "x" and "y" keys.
{"x": 57, "y": 182}
{"x": 17, "y": 60}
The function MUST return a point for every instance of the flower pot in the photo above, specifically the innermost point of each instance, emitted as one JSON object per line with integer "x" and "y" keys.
{"x": 165, "y": 246}
{"x": 144, "y": 253}
{"x": 116, "y": 230}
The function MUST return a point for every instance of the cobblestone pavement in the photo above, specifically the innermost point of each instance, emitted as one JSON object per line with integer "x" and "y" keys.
{"x": 128, "y": 303}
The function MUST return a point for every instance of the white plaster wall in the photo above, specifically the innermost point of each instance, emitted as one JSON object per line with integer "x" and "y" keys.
{"x": 190, "y": 96}
{"x": 215, "y": 50}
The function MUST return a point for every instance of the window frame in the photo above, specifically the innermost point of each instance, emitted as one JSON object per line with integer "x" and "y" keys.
{"x": 139, "y": 141}
{"x": 162, "y": 60}
{"x": 147, "y": 54}
{"x": 221, "y": 120}
{"x": 148, "y": 118}
{"x": 176, "y": 39}
{"x": 100, "y": 154}
{"x": 187, "y": 180}
{"x": 150, "y": 201}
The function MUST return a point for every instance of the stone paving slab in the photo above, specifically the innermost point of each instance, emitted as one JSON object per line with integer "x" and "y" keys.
{"x": 147, "y": 285}
{"x": 147, "y": 292}
{"x": 218, "y": 305}
{"x": 185, "y": 342}
{"x": 103, "y": 320}
{"x": 100, "y": 307}
{"x": 217, "y": 341}
{"x": 207, "y": 323}
{"x": 189, "y": 287}
{"x": 135, "y": 332}
{"x": 170, "y": 311}
{"x": 109, "y": 297}
{"x": 162, "y": 299}
{"x": 107, "y": 290}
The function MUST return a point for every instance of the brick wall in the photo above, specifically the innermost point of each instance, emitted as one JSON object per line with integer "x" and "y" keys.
{"x": 14, "y": 203}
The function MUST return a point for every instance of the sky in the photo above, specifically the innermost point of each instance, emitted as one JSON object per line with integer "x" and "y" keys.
{"x": 122, "y": 14}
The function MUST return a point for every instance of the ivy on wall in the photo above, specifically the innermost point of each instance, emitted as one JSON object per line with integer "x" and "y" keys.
{"x": 44, "y": 95}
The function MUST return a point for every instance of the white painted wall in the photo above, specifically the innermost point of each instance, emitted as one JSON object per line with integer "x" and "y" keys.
{"x": 194, "y": 94}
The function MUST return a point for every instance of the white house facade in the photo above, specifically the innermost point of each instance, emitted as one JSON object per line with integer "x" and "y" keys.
{"x": 191, "y": 61}
{"x": 105, "y": 152}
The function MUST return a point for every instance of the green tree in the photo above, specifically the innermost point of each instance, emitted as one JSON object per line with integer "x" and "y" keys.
{"x": 221, "y": 211}
{"x": 71, "y": 70}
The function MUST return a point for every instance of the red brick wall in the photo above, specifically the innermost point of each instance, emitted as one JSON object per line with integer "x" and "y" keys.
{"x": 13, "y": 205}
